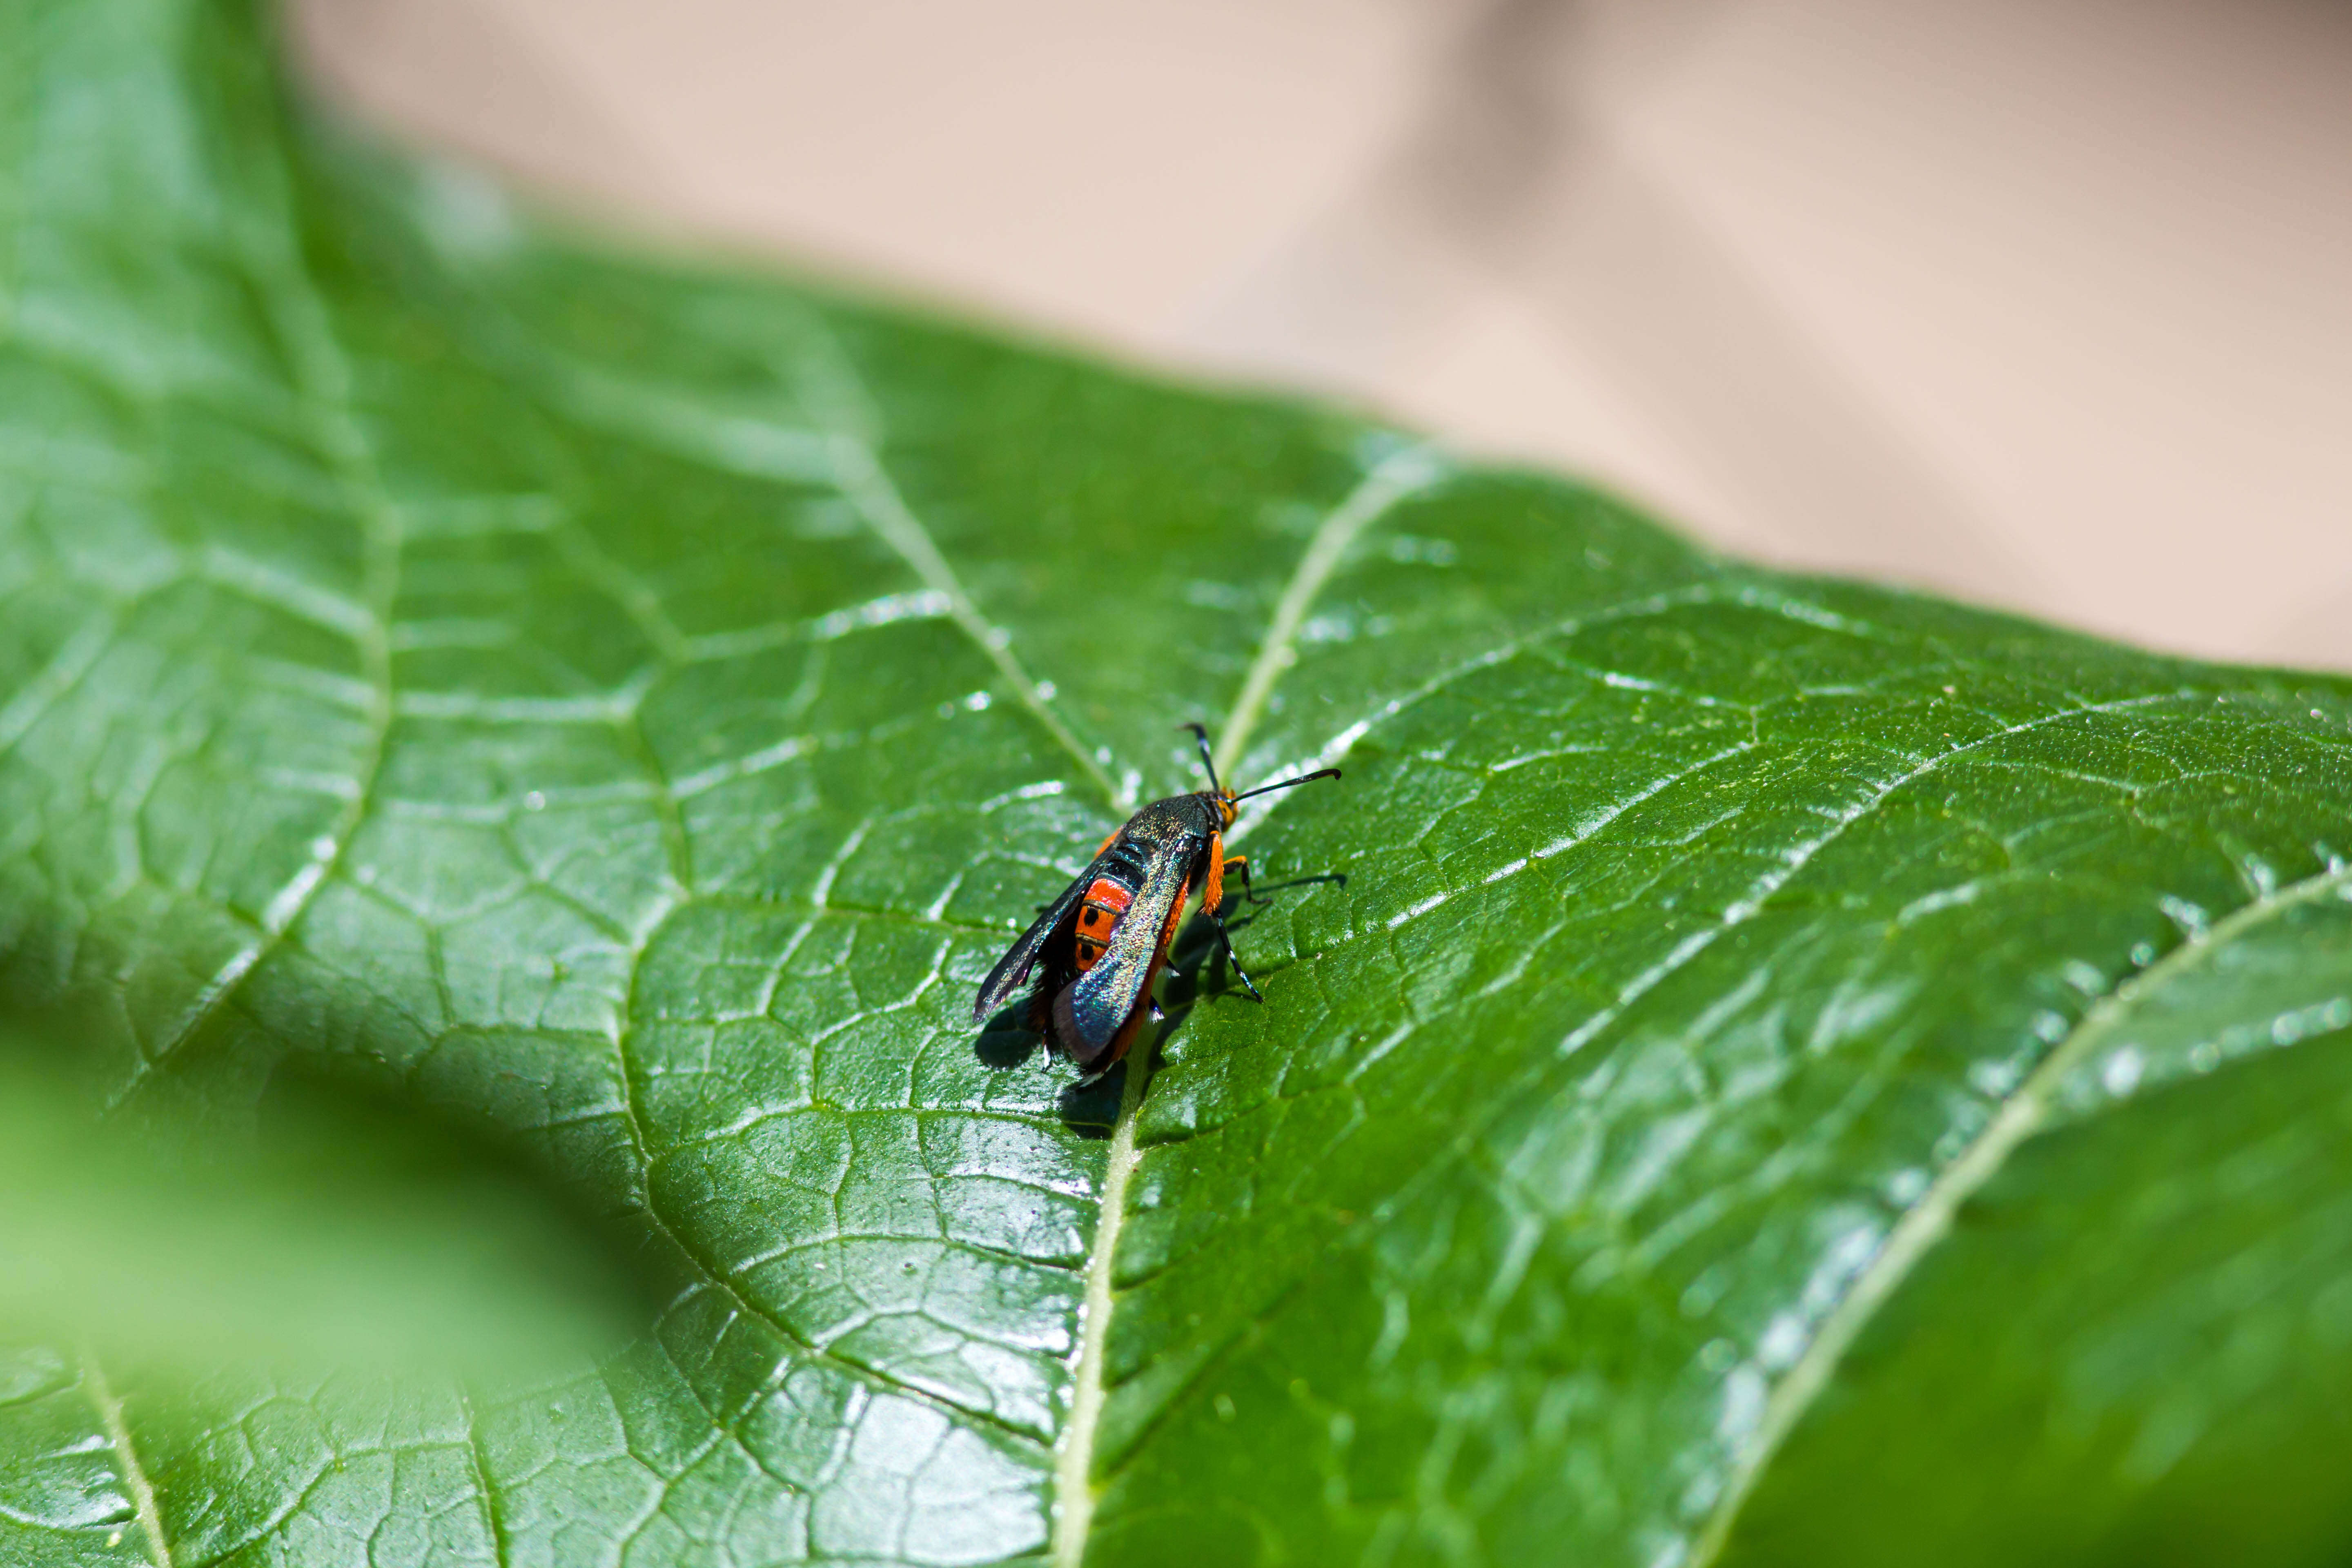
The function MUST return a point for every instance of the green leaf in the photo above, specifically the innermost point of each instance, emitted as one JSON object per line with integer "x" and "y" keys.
{"x": 631, "y": 706}
{"x": 332, "y": 1237}
{"x": 2173, "y": 1271}
{"x": 336, "y": 1247}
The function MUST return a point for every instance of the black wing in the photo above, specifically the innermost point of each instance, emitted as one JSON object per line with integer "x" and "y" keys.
{"x": 1105, "y": 996}
{"x": 1013, "y": 968}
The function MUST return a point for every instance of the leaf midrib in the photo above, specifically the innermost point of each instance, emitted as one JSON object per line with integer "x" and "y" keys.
{"x": 1074, "y": 1494}
{"x": 1395, "y": 478}
{"x": 109, "y": 1405}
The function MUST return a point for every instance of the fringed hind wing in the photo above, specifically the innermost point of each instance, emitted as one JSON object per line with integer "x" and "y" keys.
{"x": 1012, "y": 970}
{"x": 1105, "y": 996}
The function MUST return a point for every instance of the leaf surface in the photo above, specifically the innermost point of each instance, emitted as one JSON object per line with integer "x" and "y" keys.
{"x": 633, "y": 706}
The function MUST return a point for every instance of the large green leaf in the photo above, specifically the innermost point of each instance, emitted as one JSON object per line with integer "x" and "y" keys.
{"x": 1776, "y": 1044}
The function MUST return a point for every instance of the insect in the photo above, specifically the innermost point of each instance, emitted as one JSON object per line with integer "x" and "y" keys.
{"x": 1100, "y": 945}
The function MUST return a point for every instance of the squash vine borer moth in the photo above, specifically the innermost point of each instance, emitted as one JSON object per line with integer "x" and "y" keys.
{"x": 1097, "y": 948}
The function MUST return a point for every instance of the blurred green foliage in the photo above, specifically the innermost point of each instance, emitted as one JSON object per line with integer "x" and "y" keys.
{"x": 322, "y": 1234}
{"x": 1752, "y": 1070}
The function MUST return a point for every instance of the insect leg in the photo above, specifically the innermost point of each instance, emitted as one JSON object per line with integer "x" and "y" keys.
{"x": 1239, "y": 972}
{"x": 1249, "y": 894}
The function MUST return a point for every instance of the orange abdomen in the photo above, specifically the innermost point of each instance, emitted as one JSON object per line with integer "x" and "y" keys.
{"x": 1105, "y": 902}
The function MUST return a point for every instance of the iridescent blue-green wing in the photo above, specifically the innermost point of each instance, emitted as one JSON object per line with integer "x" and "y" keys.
{"x": 1012, "y": 970}
{"x": 1105, "y": 996}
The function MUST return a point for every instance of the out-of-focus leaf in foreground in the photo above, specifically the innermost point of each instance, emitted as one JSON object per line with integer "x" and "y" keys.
{"x": 1726, "y": 1031}
{"x": 335, "y": 1239}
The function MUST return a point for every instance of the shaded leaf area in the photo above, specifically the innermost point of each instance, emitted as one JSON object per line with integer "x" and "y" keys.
{"x": 2163, "y": 1374}
{"x": 630, "y": 707}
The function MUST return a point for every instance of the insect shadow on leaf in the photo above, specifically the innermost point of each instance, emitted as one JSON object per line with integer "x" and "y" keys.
{"x": 1007, "y": 1041}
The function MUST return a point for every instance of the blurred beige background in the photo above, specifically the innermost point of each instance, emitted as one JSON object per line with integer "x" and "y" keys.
{"x": 2047, "y": 303}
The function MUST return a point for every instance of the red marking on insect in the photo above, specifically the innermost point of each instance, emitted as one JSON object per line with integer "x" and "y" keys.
{"x": 1098, "y": 913}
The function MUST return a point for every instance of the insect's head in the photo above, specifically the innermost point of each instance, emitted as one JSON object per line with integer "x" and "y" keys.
{"x": 1228, "y": 803}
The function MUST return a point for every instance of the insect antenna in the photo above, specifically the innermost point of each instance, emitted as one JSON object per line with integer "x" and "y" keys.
{"x": 1286, "y": 783}
{"x": 1207, "y": 760}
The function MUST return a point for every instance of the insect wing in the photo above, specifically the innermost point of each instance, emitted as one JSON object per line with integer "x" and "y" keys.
{"x": 1106, "y": 995}
{"x": 1013, "y": 968}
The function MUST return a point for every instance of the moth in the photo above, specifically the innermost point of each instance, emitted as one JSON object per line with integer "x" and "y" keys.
{"x": 1097, "y": 950}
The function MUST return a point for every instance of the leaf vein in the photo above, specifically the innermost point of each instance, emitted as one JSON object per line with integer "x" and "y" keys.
{"x": 1074, "y": 1495}
{"x": 1517, "y": 1088}
{"x": 1394, "y": 479}
{"x": 1927, "y": 1222}
{"x": 502, "y": 1554}
{"x": 134, "y": 1474}
{"x": 302, "y": 316}
{"x": 858, "y": 473}
{"x": 716, "y": 1278}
